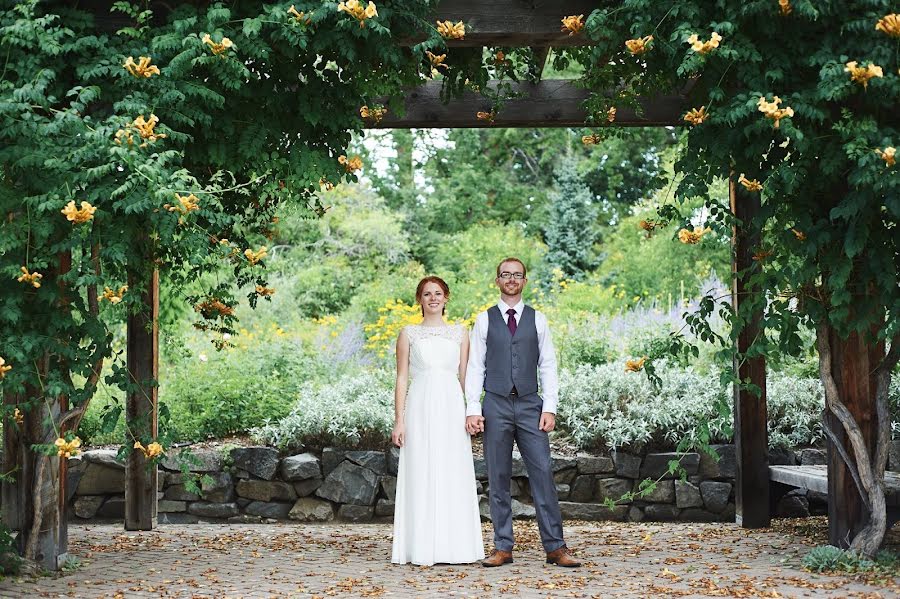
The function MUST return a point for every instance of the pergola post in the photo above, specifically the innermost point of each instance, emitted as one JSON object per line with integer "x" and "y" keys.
{"x": 853, "y": 359}
{"x": 142, "y": 400}
{"x": 751, "y": 493}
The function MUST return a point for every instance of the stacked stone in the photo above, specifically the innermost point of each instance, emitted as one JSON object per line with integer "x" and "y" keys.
{"x": 255, "y": 484}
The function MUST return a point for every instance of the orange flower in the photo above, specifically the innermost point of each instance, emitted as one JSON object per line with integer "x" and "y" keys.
{"x": 66, "y": 449}
{"x": 218, "y": 48}
{"x": 704, "y": 47}
{"x": 888, "y": 155}
{"x": 265, "y": 291}
{"x": 325, "y": 185}
{"x": 696, "y": 116}
{"x": 449, "y": 31}
{"x": 4, "y": 368}
{"x": 357, "y": 11}
{"x": 142, "y": 69}
{"x": 437, "y": 62}
{"x": 78, "y": 216}
{"x": 750, "y": 184}
{"x": 800, "y": 235}
{"x": 375, "y": 114}
{"x": 486, "y": 116}
{"x": 18, "y": 417}
{"x": 590, "y": 140}
{"x": 761, "y": 255}
{"x": 647, "y": 225}
{"x": 785, "y": 6}
{"x": 611, "y": 114}
{"x": 151, "y": 451}
{"x": 639, "y": 45}
{"x": 30, "y": 278}
{"x": 889, "y": 24}
{"x": 352, "y": 164}
{"x": 863, "y": 74}
{"x": 298, "y": 16}
{"x": 573, "y": 24}
{"x": 255, "y": 257}
{"x": 772, "y": 111}
{"x": 692, "y": 237}
{"x": 635, "y": 365}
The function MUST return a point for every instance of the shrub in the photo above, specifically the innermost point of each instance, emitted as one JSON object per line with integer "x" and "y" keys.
{"x": 355, "y": 410}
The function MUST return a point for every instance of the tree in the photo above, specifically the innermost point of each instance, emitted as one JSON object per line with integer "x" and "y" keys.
{"x": 571, "y": 230}
{"x": 795, "y": 101}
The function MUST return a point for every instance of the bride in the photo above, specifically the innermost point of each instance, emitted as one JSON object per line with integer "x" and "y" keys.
{"x": 436, "y": 517}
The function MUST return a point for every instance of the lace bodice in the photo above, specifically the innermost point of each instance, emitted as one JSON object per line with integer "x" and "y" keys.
{"x": 434, "y": 349}
{"x": 452, "y": 332}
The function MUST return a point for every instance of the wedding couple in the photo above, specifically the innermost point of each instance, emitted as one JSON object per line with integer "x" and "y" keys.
{"x": 436, "y": 516}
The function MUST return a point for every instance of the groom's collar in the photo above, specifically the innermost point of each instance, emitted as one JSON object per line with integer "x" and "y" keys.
{"x": 519, "y": 308}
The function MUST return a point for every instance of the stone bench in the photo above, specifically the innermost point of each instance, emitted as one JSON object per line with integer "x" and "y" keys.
{"x": 815, "y": 478}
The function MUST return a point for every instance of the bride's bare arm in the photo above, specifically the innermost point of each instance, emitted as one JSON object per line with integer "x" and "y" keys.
{"x": 397, "y": 437}
{"x": 463, "y": 358}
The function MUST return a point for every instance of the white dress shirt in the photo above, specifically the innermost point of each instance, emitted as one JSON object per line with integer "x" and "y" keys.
{"x": 478, "y": 350}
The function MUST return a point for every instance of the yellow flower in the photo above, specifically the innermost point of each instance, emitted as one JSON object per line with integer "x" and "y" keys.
{"x": 143, "y": 127}
{"x": 351, "y": 164}
{"x": 33, "y": 278}
{"x": 437, "y": 60}
{"x": 218, "y": 48}
{"x": 486, "y": 116}
{"x": 256, "y": 256}
{"x": 325, "y": 185}
{"x": 590, "y": 140}
{"x": 696, "y": 116}
{"x": 185, "y": 204}
{"x": 785, "y": 6}
{"x": 142, "y": 69}
{"x": 374, "y": 114}
{"x": 750, "y": 184}
{"x": 692, "y": 237}
{"x": 647, "y": 225}
{"x": 151, "y": 451}
{"x": 78, "y": 216}
{"x": 113, "y": 297}
{"x": 18, "y": 417}
{"x": 299, "y": 16}
{"x": 611, "y": 114}
{"x": 4, "y": 368}
{"x": 66, "y": 449}
{"x": 449, "y": 31}
{"x": 863, "y": 74}
{"x": 639, "y": 45}
{"x": 889, "y": 24}
{"x": 265, "y": 291}
{"x": 573, "y": 24}
{"x": 800, "y": 235}
{"x": 704, "y": 47}
{"x": 888, "y": 155}
{"x": 772, "y": 111}
{"x": 356, "y": 10}
{"x": 635, "y": 365}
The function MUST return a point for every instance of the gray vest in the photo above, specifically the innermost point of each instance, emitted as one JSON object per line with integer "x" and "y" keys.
{"x": 511, "y": 361}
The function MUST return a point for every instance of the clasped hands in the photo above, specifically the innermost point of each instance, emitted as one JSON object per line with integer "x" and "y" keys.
{"x": 475, "y": 424}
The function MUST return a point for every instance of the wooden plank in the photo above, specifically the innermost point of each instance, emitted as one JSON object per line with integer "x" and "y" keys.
{"x": 853, "y": 361}
{"x": 514, "y": 22}
{"x": 141, "y": 403}
{"x": 495, "y": 23}
{"x": 548, "y": 103}
{"x": 750, "y": 434}
{"x": 815, "y": 478}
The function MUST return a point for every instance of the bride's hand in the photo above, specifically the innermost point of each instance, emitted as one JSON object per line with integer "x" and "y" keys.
{"x": 398, "y": 436}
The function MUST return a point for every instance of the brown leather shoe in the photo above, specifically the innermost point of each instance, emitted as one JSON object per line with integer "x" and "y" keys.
{"x": 562, "y": 557}
{"x": 497, "y": 558}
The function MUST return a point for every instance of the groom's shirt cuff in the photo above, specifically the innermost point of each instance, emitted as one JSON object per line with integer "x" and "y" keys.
{"x": 473, "y": 408}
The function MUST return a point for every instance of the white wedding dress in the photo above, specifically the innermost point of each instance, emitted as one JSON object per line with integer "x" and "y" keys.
{"x": 436, "y": 518}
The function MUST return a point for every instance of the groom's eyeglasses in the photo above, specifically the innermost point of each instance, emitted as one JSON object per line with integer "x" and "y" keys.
{"x": 512, "y": 275}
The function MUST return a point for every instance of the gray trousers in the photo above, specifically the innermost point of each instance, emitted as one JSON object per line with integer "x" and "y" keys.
{"x": 508, "y": 419}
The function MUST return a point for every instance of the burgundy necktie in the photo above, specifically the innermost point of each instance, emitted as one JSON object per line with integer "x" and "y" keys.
{"x": 511, "y": 323}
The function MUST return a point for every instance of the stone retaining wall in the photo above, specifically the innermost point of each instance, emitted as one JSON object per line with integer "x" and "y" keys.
{"x": 256, "y": 484}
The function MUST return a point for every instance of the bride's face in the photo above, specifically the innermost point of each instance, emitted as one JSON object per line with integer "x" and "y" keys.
{"x": 433, "y": 299}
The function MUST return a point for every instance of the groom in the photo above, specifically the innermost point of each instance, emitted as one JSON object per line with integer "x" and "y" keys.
{"x": 510, "y": 343}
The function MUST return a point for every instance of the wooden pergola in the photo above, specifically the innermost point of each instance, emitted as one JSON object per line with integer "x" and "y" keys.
{"x": 547, "y": 103}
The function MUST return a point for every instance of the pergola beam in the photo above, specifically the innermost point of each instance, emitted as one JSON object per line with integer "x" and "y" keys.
{"x": 548, "y": 103}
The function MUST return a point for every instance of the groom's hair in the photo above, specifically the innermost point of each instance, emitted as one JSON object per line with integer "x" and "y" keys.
{"x": 512, "y": 259}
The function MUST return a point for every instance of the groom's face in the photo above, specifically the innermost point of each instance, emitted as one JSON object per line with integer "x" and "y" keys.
{"x": 508, "y": 281}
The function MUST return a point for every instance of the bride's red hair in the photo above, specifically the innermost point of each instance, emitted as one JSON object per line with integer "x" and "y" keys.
{"x": 420, "y": 288}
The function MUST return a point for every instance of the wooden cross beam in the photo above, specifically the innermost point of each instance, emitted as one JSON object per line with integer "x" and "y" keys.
{"x": 548, "y": 103}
